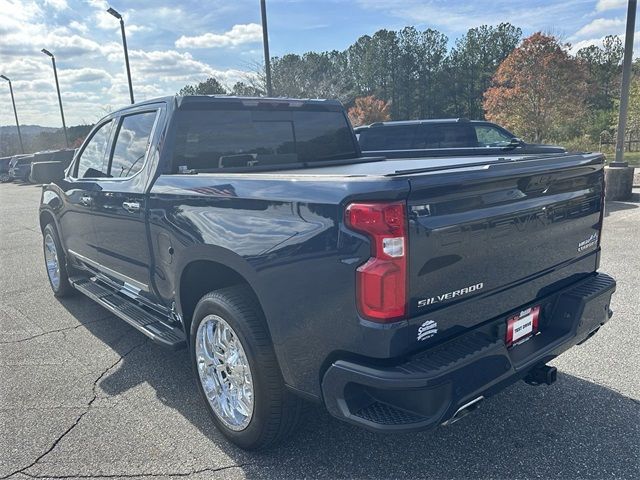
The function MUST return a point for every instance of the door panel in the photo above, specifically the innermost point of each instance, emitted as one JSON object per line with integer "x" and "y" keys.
{"x": 80, "y": 193}
{"x": 120, "y": 204}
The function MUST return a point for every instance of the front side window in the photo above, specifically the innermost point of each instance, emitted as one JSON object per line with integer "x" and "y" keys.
{"x": 489, "y": 136}
{"x": 131, "y": 144}
{"x": 92, "y": 162}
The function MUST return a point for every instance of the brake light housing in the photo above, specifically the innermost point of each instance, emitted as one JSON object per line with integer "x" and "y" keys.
{"x": 381, "y": 282}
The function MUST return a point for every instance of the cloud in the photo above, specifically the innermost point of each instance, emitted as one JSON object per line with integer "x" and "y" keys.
{"x": 601, "y": 27}
{"x": 598, "y": 42}
{"x": 83, "y": 75}
{"x": 238, "y": 35}
{"x": 610, "y": 4}
{"x": 56, "y": 4}
{"x": 80, "y": 27}
{"x": 460, "y": 16}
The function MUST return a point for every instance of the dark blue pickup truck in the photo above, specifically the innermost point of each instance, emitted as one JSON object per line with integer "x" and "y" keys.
{"x": 399, "y": 294}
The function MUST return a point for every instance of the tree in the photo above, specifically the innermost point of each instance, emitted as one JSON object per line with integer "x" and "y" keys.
{"x": 539, "y": 90}
{"x": 211, "y": 86}
{"x": 633, "y": 113}
{"x": 603, "y": 67}
{"x": 473, "y": 62}
{"x": 368, "y": 110}
{"x": 241, "y": 89}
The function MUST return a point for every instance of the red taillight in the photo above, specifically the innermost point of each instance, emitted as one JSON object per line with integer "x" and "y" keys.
{"x": 381, "y": 281}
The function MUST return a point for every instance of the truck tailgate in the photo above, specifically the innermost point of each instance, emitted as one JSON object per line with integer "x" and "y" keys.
{"x": 475, "y": 231}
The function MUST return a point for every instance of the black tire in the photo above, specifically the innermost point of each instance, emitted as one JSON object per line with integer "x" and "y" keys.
{"x": 276, "y": 411}
{"x": 63, "y": 288}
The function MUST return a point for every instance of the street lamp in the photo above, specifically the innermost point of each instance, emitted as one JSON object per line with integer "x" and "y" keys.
{"x": 55, "y": 74}
{"x": 626, "y": 81}
{"x": 265, "y": 45}
{"x": 124, "y": 44}
{"x": 15, "y": 112}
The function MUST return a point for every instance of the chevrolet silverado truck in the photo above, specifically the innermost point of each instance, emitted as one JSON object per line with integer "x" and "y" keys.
{"x": 398, "y": 294}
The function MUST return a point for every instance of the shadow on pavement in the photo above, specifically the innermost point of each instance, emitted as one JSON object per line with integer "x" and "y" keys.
{"x": 573, "y": 429}
{"x": 615, "y": 206}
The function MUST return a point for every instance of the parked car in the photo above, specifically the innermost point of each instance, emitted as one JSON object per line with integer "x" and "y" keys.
{"x": 448, "y": 137}
{"x": 49, "y": 165}
{"x": 398, "y": 294}
{"x": 20, "y": 167}
{"x": 4, "y": 169}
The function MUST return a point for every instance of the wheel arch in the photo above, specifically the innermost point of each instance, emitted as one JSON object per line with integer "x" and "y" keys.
{"x": 210, "y": 268}
{"x": 46, "y": 217}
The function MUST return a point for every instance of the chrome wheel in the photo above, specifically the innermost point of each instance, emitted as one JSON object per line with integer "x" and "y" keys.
{"x": 224, "y": 372}
{"x": 51, "y": 260}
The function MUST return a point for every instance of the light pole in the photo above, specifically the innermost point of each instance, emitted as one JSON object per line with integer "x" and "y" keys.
{"x": 626, "y": 81}
{"x": 15, "y": 112}
{"x": 55, "y": 74}
{"x": 126, "y": 53}
{"x": 265, "y": 44}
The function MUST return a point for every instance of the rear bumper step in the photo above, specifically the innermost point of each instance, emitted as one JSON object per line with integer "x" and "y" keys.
{"x": 445, "y": 382}
{"x": 142, "y": 319}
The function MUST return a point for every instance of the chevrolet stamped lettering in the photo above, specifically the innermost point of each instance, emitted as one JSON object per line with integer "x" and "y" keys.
{"x": 517, "y": 223}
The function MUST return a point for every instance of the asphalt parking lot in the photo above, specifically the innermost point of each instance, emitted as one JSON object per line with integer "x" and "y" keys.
{"x": 83, "y": 395}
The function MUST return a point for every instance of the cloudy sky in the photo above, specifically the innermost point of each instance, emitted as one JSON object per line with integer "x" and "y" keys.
{"x": 172, "y": 43}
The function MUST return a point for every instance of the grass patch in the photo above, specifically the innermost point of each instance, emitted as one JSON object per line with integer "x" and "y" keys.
{"x": 632, "y": 158}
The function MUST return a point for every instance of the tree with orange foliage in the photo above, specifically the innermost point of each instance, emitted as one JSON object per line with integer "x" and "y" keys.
{"x": 539, "y": 90}
{"x": 368, "y": 110}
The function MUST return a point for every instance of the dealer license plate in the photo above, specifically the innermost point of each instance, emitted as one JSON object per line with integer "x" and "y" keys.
{"x": 522, "y": 326}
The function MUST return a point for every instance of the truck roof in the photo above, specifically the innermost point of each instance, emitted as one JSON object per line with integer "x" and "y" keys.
{"x": 188, "y": 100}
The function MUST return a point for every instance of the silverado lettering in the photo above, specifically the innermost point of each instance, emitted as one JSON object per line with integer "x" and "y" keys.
{"x": 447, "y": 296}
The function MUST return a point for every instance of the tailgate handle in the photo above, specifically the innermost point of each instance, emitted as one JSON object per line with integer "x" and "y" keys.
{"x": 131, "y": 207}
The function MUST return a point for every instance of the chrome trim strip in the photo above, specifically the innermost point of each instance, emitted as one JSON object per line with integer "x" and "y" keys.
{"x": 111, "y": 272}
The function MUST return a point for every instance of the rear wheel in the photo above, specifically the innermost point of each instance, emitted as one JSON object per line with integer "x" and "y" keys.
{"x": 237, "y": 371}
{"x": 55, "y": 262}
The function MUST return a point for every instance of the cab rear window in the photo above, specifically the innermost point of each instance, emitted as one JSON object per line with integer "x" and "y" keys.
{"x": 219, "y": 139}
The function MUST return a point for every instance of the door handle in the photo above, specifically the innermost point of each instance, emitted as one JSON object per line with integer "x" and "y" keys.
{"x": 86, "y": 201}
{"x": 131, "y": 207}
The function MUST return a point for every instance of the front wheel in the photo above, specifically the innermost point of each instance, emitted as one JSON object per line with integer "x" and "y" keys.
{"x": 238, "y": 374}
{"x": 55, "y": 262}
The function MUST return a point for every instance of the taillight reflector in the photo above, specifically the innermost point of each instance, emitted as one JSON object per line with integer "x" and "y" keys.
{"x": 381, "y": 281}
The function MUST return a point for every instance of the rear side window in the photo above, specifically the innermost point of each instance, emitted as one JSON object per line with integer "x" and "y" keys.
{"x": 211, "y": 139}
{"x": 92, "y": 162}
{"x": 399, "y": 137}
{"x": 131, "y": 144}
{"x": 454, "y": 135}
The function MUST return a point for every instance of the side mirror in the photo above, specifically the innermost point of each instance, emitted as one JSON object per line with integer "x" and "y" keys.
{"x": 515, "y": 142}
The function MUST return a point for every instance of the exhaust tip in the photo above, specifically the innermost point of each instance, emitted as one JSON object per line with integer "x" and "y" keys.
{"x": 464, "y": 410}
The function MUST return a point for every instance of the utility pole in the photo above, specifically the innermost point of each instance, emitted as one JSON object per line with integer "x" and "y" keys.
{"x": 265, "y": 44}
{"x": 15, "y": 112}
{"x": 126, "y": 51}
{"x": 626, "y": 82}
{"x": 55, "y": 74}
